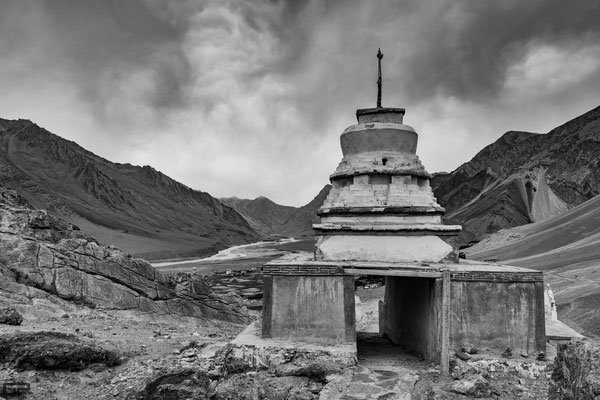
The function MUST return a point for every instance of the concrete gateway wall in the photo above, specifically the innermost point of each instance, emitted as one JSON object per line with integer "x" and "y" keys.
{"x": 311, "y": 308}
{"x": 487, "y": 314}
{"x": 497, "y": 315}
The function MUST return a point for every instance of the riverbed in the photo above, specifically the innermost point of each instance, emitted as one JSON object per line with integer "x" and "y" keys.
{"x": 243, "y": 257}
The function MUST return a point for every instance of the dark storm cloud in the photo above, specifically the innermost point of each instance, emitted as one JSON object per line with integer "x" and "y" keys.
{"x": 248, "y": 98}
{"x": 453, "y": 48}
{"x": 468, "y": 46}
{"x": 96, "y": 45}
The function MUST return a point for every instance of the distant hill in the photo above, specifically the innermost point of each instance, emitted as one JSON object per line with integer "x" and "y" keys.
{"x": 300, "y": 223}
{"x": 263, "y": 215}
{"x": 523, "y": 177}
{"x": 270, "y": 218}
{"x": 140, "y": 209}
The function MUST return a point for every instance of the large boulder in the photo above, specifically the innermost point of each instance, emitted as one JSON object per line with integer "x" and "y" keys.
{"x": 53, "y": 350}
{"x": 42, "y": 256}
{"x": 184, "y": 383}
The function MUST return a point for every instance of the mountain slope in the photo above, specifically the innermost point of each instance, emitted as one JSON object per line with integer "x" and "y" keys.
{"x": 517, "y": 200}
{"x": 566, "y": 239}
{"x": 557, "y": 170}
{"x": 145, "y": 211}
{"x": 300, "y": 223}
{"x": 263, "y": 215}
{"x": 270, "y": 218}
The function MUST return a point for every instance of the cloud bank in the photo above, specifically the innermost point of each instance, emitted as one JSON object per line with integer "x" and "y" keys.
{"x": 249, "y": 98}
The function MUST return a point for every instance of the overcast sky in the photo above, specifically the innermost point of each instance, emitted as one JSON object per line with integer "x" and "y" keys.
{"x": 248, "y": 98}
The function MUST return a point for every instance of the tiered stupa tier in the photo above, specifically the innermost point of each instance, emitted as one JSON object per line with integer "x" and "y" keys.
{"x": 381, "y": 206}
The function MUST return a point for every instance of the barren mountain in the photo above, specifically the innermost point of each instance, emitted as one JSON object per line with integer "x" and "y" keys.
{"x": 263, "y": 215}
{"x": 267, "y": 217}
{"x": 524, "y": 177}
{"x": 144, "y": 211}
{"x": 300, "y": 223}
{"x": 520, "y": 199}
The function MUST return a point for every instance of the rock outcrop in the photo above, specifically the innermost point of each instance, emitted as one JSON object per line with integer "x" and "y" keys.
{"x": 47, "y": 259}
{"x": 576, "y": 373}
{"x": 53, "y": 350}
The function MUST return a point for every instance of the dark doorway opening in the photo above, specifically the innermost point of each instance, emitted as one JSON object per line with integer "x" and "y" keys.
{"x": 399, "y": 316}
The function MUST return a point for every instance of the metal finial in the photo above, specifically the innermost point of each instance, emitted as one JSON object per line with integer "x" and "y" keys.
{"x": 379, "y": 56}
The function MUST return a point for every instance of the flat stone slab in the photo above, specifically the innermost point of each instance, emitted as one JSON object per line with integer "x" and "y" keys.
{"x": 557, "y": 330}
{"x": 271, "y": 352}
{"x": 468, "y": 266}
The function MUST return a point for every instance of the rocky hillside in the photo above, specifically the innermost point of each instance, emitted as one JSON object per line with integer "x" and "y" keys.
{"x": 517, "y": 200}
{"x": 145, "y": 211}
{"x": 47, "y": 264}
{"x": 270, "y": 218}
{"x": 300, "y": 223}
{"x": 524, "y": 177}
{"x": 263, "y": 215}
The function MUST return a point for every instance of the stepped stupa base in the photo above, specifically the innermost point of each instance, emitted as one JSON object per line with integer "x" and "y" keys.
{"x": 386, "y": 242}
{"x": 429, "y": 308}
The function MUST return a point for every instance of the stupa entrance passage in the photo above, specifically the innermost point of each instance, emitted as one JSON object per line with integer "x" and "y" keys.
{"x": 381, "y": 218}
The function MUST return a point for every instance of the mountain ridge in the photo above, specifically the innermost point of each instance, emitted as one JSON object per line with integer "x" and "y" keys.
{"x": 271, "y": 218}
{"x": 558, "y": 171}
{"x": 59, "y": 175}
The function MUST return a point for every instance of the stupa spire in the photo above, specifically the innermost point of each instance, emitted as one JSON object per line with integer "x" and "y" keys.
{"x": 379, "y": 56}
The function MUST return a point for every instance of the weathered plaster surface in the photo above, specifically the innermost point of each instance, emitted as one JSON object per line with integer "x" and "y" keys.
{"x": 384, "y": 114}
{"x": 381, "y": 219}
{"x": 497, "y": 315}
{"x": 313, "y": 308}
{"x": 383, "y": 162}
{"x": 409, "y": 191}
{"x": 379, "y": 136}
{"x": 383, "y": 248}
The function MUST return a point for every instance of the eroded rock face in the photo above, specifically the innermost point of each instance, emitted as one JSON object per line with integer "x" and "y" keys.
{"x": 42, "y": 257}
{"x": 576, "y": 373}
